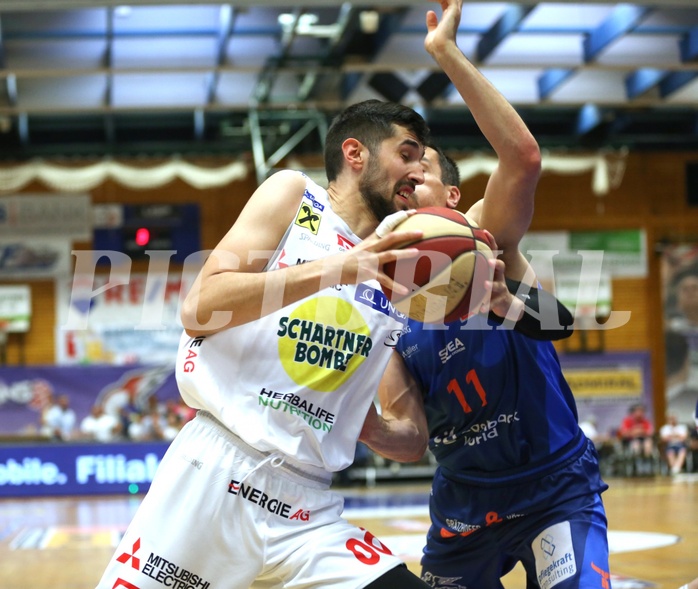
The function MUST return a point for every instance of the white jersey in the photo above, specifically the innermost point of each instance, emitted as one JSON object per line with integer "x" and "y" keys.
{"x": 299, "y": 380}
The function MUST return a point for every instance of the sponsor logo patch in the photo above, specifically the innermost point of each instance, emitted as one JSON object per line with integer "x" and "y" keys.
{"x": 308, "y": 219}
{"x": 322, "y": 342}
{"x": 554, "y": 554}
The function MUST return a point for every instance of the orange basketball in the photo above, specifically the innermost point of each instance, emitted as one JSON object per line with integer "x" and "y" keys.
{"x": 447, "y": 279}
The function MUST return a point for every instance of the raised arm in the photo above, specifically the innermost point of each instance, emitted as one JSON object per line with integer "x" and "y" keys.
{"x": 507, "y": 206}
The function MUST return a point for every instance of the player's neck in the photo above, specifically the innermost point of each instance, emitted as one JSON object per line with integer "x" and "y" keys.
{"x": 349, "y": 205}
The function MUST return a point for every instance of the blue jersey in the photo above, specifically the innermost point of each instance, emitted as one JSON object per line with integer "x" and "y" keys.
{"x": 497, "y": 403}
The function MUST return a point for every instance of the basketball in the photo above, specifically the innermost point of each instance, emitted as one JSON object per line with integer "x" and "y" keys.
{"x": 447, "y": 279}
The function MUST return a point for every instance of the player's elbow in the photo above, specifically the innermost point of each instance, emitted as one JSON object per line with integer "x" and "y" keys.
{"x": 530, "y": 158}
{"x": 191, "y": 317}
{"x": 418, "y": 448}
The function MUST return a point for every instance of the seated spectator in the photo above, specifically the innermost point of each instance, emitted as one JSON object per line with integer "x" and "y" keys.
{"x": 602, "y": 442}
{"x": 636, "y": 433}
{"x": 153, "y": 406}
{"x": 674, "y": 436}
{"x": 138, "y": 430}
{"x": 58, "y": 419}
{"x": 183, "y": 410}
{"x": 154, "y": 422}
{"x": 588, "y": 426}
{"x": 172, "y": 427}
{"x": 100, "y": 426}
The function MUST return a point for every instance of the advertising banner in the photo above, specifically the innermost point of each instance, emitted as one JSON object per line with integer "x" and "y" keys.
{"x": 25, "y": 391}
{"x": 620, "y": 253}
{"x": 64, "y": 215}
{"x": 78, "y": 469}
{"x": 606, "y": 385}
{"x": 23, "y": 258}
{"x": 15, "y": 308}
{"x": 121, "y": 318}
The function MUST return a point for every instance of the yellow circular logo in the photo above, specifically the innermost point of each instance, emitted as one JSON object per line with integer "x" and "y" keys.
{"x": 323, "y": 342}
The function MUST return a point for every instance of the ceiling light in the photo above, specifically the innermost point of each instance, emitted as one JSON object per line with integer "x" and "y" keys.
{"x": 369, "y": 21}
{"x": 123, "y": 11}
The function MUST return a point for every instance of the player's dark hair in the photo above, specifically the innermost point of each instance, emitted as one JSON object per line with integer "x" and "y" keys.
{"x": 371, "y": 122}
{"x": 450, "y": 174}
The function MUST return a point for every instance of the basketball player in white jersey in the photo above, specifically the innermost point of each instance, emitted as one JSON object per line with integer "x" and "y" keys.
{"x": 286, "y": 334}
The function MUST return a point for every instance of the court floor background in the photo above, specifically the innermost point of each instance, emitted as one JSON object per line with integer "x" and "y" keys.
{"x": 65, "y": 543}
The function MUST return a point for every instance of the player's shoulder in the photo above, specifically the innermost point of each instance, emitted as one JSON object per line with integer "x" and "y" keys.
{"x": 474, "y": 213}
{"x": 282, "y": 191}
{"x": 286, "y": 180}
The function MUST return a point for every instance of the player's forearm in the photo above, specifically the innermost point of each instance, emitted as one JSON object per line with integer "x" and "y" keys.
{"x": 228, "y": 299}
{"x": 398, "y": 440}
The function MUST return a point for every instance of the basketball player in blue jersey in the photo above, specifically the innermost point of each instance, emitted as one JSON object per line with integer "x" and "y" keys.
{"x": 517, "y": 481}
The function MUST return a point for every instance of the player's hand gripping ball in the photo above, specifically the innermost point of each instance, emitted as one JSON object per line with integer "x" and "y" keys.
{"x": 447, "y": 279}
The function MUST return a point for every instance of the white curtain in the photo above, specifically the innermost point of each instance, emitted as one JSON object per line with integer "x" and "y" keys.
{"x": 607, "y": 168}
{"x": 81, "y": 179}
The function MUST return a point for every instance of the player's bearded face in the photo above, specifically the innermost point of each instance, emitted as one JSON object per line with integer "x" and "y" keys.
{"x": 376, "y": 191}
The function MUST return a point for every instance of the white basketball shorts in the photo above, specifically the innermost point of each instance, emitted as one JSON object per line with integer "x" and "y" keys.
{"x": 220, "y": 514}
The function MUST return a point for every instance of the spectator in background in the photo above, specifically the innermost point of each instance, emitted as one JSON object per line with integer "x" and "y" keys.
{"x": 588, "y": 426}
{"x": 58, "y": 420}
{"x": 602, "y": 441}
{"x": 138, "y": 430}
{"x": 675, "y": 436}
{"x": 172, "y": 426}
{"x": 100, "y": 426}
{"x": 154, "y": 421}
{"x": 183, "y": 411}
{"x": 636, "y": 433}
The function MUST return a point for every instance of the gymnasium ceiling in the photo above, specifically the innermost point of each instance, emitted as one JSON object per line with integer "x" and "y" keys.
{"x": 81, "y": 77}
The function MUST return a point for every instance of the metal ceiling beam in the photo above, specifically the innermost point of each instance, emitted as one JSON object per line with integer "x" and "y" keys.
{"x": 226, "y": 19}
{"x": 624, "y": 18}
{"x": 675, "y": 81}
{"x": 508, "y": 23}
{"x": 551, "y": 80}
{"x": 300, "y": 66}
{"x": 388, "y": 24}
{"x": 333, "y": 55}
{"x": 108, "y": 61}
{"x": 637, "y": 128}
{"x": 434, "y": 86}
{"x": 642, "y": 80}
{"x": 314, "y": 121}
{"x": 27, "y": 5}
{"x": 10, "y": 79}
{"x": 389, "y": 86}
{"x": 688, "y": 46}
{"x": 2, "y": 47}
{"x": 588, "y": 119}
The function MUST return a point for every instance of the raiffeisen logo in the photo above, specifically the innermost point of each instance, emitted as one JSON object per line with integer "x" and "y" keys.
{"x": 115, "y": 468}
{"x": 31, "y": 471}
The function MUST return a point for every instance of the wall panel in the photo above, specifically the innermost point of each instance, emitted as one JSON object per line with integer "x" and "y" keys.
{"x": 651, "y": 196}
